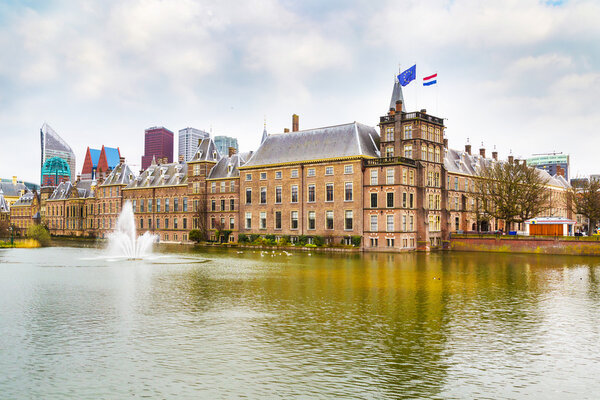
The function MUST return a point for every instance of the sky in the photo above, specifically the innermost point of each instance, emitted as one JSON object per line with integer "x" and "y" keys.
{"x": 523, "y": 76}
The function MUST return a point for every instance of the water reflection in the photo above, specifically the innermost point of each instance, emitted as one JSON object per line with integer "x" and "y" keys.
{"x": 376, "y": 325}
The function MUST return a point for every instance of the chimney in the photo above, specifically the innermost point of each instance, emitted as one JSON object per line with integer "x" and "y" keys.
{"x": 232, "y": 151}
{"x": 482, "y": 151}
{"x": 511, "y": 159}
{"x": 468, "y": 149}
{"x": 392, "y": 112}
{"x": 495, "y": 155}
{"x": 295, "y": 123}
{"x": 78, "y": 178}
{"x": 122, "y": 160}
{"x": 423, "y": 111}
{"x": 398, "y": 106}
{"x": 181, "y": 158}
{"x": 286, "y": 130}
{"x": 445, "y": 143}
{"x": 14, "y": 180}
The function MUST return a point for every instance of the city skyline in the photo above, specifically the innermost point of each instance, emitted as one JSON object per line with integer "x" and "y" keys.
{"x": 527, "y": 82}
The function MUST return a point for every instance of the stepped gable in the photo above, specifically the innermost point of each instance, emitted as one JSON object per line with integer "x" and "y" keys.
{"x": 339, "y": 141}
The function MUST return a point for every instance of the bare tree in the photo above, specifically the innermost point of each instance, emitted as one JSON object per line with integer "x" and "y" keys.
{"x": 512, "y": 192}
{"x": 201, "y": 215}
{"x": 585, "y": 200}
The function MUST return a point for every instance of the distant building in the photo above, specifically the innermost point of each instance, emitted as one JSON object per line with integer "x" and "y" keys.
{"x": 223, "y": 144}
{"x": 54, "y": 146}
{"x": 31, "y": 186}
{"x": 54, "y": 171}
{"x": 103, "y": 160}
{"x": 579, "y": 183}
{"x": 158, "y": 143}
{"x": 595, "y": 177}
{"x": 554, "y": 164}
{"x": 189, "y": 138}
{"x": 12, "y": 190}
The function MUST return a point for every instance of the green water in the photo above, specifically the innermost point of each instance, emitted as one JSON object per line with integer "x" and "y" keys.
{"x": 224, "y": 324}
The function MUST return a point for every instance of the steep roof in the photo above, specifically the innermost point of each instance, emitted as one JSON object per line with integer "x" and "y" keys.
{"x": 62, "y": 191}
{"x": 4, "y": 207}
{"x": 120, "y": 175}
{"x": 206, "y": 151}
{"x": 157, "y": 175}
{"x": 397, "y": 95}
{"x": 9, "y": 190}
{"x": 112, "y": 156}
{"x": 227, "y": 167}
{"x": 347, "y": 140}
{"x": 25, "y": 200}
{"x": 85, "y": 188}
{"x": 95, "y": 154}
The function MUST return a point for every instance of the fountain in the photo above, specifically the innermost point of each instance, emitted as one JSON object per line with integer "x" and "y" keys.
{"x": 124, "y": 242}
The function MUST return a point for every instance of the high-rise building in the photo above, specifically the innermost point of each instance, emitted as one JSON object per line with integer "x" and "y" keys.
{"x": 54, "y": 146}
{"x": 554, "y": 164}
{"x": 223, "y": 144}
{"x": 158, "y": 143}
{"x": 189, "y": 138}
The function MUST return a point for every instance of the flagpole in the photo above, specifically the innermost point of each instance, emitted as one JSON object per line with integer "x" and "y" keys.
{"x": 417, "y": 90}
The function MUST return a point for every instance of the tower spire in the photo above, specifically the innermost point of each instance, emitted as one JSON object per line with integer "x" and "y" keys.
{"x": 397, "y": 95}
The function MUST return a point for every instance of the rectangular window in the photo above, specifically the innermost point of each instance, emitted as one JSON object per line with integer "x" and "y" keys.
{"x": 404, "y": 223}
{"x": 149, "y": 205}
{"x": 141, "y": 205}
{"x": 278, "y": 194}
{"x": 311, "y": 193}
{"x": 231, "y": 223}
{"x": 374, "y": 242}
{"x": 294, "y": 220}
{"x": 404, "y": 200}
{"x": 390, "y": 242}
{"x": 294, "y": 198}
{"x": 328, "y": 170}
{"x": 456, "y": 183}
{"x": 231, "y": 204}
{"x": 263, "y": 220}
{"x": 157, "y": 205}
{"x": 408, "y": 151}
{"x": 294, "y": 173}
{"x": 141, "y": 223}
{"x": 408, "y": 132}
{"x": 311, "y": 220}
{"x": 373, "y": 223}
{"x": 185, "y": 208}
{"x": 263, "y": 195}
{"x": 278, "y": 175}
{"x": 329, "y": 219}
{"x": 248, "y": 195}
{"x": 222, "y": 204}
{"x": 166, "y": 223}
{"x": 223, "y": 186}
{"x": 277, "y": 219}
{"x": 232, "y": 186}
{"x": 374, "y": 177}
{"x": 166, "y": 205}
{"x": 248, "y": 177}
{"x": 176, "y": 204}
{"x": 348, "y": 169}
{"x": 213, "y": 187}
{"x": 134, "y": 206}
{"x": 373, "y": 200}
{"x": 175, "y": 223}
{"x": 248, "y": 220}
{"x": 411, "y": 176}
{"x": 348, "y": 220}
{"x": 329, "y": 192}
{"x": 157, "y": 223}
{"x": 389, "y": 133}
{"x": 213, "y": 205}
{"x": 310, "y": 172}
{"x": 389, "y": 177}
{"x": 348, "y": 191}
{"x": 263, "y": 176}
{"x": 390, "y": 199}
{"x": 411, "y": 198}
{"x": 184, "y": 223}
{"x": 390, "y": 223}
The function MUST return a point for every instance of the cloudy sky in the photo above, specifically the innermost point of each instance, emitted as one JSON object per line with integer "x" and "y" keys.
{"x": 519, "y": 75}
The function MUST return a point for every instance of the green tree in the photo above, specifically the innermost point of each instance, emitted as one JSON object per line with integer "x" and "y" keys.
{"x": 39, "y": 233}
{"x": 585, "y": 200}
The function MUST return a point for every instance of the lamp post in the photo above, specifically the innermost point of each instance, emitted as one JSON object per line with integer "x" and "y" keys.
{"x": 12, "y": 240}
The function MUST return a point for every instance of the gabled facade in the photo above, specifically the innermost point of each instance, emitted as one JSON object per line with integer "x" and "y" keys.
{"x": 99, "y": 161}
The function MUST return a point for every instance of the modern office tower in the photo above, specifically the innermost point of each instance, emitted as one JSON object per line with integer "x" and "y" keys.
{"x": 54, "y": 146}
{"x": 554, "y": 164}
{"x": 188, "y": 142}
{"x": 223, "y": 144}
{"x": 158, "y": 143}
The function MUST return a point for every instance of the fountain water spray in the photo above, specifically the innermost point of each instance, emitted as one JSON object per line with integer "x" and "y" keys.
{"x": 124, "y": 242}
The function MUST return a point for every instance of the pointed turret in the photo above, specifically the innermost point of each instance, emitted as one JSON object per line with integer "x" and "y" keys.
{"x": 264, "y": 135}
{"x": 397, "y": 95}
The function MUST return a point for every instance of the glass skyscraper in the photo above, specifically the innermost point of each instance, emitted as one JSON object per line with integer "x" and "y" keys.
{"x": 54, "y": 146}
{"x": 189, "y": 138}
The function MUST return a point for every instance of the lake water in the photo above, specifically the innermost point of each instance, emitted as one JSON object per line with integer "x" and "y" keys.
{"x": 223, "y": 324}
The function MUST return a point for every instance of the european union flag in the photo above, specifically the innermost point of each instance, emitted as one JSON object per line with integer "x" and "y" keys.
{"x": 407, "y": 76}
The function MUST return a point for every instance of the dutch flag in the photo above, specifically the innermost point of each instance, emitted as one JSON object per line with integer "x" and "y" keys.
{"x": 430, "y": 80}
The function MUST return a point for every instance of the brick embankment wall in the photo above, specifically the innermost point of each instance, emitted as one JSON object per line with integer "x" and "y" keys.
{"x": 527, "y": 245}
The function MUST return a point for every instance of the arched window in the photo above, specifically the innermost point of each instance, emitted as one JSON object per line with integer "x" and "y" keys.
{"x": 437, "y": 154}
{"x": 430, "y": 153}
{"x": 424, "y": 152}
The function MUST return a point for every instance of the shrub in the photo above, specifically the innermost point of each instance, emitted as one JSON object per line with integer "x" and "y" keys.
{"x": 302, "y": 239}
{"x": 284, "y": 241}
{"x": 270, "y": 237}
{"x": 195, "y": 235}
{"x": 356, "y": 241}
{"x": 39, "y": 233}
{"x": 318, "y": 240}
{"x": 254, "y": 237}
{"x": 311, "y": 245}
{"x": 243, "y": 238}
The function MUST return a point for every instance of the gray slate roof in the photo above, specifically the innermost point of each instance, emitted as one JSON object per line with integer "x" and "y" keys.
{"x": 62, "y": 191}
{"x": 227, "y": 167}
{"x": 207, "y": 151}
{"x": 157, "y": 175}
{"x": 460, "y": 162}
{"x": 4, "y": 207}
{"x": 9, "y": 190}
{"x": 85, "y": 189}
{"x": 397, "y": 95}
{"x": 347, "y": 140}
{"x": 120, "y": 175}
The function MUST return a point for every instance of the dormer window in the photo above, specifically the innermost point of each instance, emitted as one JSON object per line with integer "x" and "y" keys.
{"x": 214, "y": 155}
